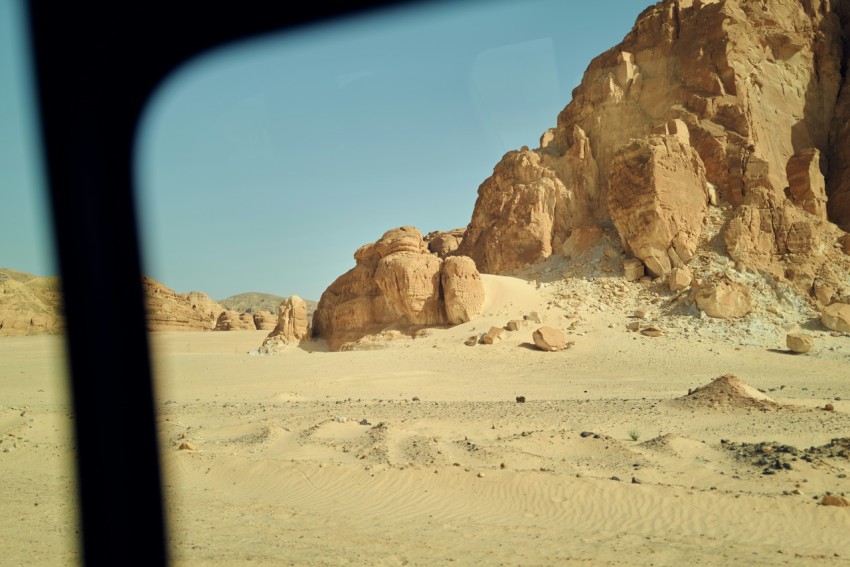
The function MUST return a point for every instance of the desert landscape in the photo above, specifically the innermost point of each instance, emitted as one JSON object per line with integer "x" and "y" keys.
{"x": 636, "y": 353}
{"x": 418, "y": 452}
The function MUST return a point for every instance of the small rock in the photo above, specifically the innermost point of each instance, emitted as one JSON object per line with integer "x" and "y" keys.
{"x": 615, "y": 478}
{"x": 186, "y": 446}
{"x": 520, "y": 399}
{"x": 636, "y": 480}
{"x": 640, "y": 314}
{"x": 481, "y": 475}
{"x": 515, "y": 324}
{"x": 550, "y": 339}
{"x": 492, "y": 336}
{"x": 829, "y": 407}
{"x": 586, "y": 434}
{"x": 832, "y": 500}
{"x": 800, "y": 342}
{"x": 471, "y": 341}
{"x": 679, "y": 279}
{"x": 533, "y": 317}
{"x": 633, "y": 269}
{"x": 724, "y": 299}
{"x": 652, "y": 332}
{"x": 634, "y": 326}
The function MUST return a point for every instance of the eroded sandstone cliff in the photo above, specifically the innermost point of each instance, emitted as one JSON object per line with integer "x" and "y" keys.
{"x": 171, "y": 311}
{"x": 748, "y": 99}
{"x": 729, "y": 111}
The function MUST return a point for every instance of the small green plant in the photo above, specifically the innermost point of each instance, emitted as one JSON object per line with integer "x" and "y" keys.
{"x": 634, "y": 434}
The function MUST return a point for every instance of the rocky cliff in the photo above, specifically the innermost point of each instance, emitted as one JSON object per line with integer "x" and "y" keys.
{"x": 714, "y": 127}
{"x": 745, "y": 102}
{"x": 172, "y": 311}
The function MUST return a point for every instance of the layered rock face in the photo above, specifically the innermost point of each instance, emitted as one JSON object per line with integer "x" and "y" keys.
{"x": 397, "y": 283}
{"x": 745, "y": 98}
{"x": 658, "y": 199}
{"x": 267, "y": 321}
{"x": 171, "y": 311}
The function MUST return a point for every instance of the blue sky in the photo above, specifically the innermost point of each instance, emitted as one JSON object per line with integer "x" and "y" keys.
{"x": 263, "y": 166}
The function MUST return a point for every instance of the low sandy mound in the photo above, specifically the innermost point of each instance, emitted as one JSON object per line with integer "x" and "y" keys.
{"x": 727, "y": 391}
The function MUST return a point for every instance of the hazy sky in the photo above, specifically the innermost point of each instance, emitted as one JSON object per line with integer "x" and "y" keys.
{"x": 264, "y": 165}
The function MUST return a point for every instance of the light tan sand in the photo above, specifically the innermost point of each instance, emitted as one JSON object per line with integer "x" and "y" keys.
{"x": 449, "y": 469}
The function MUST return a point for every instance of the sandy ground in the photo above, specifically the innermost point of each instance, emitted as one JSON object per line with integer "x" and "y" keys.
{"x": 419, "y": 454}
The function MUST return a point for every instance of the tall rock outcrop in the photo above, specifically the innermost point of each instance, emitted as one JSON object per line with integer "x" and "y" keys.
{"x": 293, "y": 326}
{"x": 397, "y": 284}
{"x": 520, "y": 216}
{"x": 748, "y": 96}
{"x": 463, "y": 290}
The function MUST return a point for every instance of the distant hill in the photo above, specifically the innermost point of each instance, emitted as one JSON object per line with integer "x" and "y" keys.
{"x": 29, "y": 305}
{"x": 32, "y": 305}
{"x": 253, "y": 301}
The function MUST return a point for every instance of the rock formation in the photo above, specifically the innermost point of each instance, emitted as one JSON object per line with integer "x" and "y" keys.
{"x": 292, "y": 326}
{"x": 728, "y": 115}
{"x": 463, "y": 290}
{"x": 32, "y": 305}
{"x": 267, "y": 321}
{"x": 658, "y": 198}
{"x": 443, "y": 243}
{"x": 397, "y": 283}
{"x": 739, "y": 103}
{"x": 230, "y": 320}
{"x": 171, "y": 311}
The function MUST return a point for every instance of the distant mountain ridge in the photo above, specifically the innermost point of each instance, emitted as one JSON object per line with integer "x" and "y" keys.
{"x": 32, "y": 305}
{"x": 255, "y": 301}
